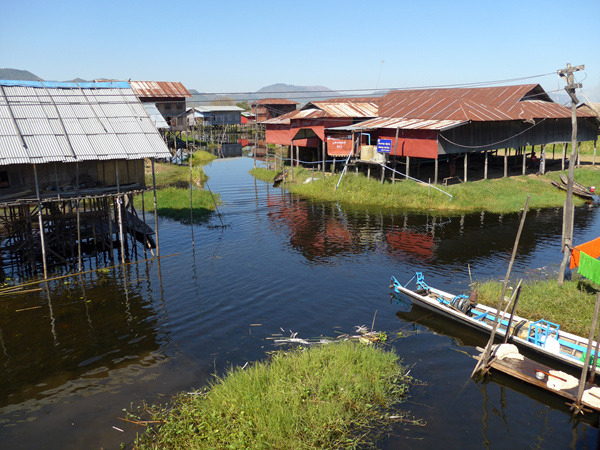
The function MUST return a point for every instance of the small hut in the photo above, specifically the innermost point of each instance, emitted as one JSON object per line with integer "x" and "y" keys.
{"x": 71, "y": 159}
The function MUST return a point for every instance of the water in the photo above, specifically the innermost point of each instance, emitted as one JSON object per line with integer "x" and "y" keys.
{"x": 77, "y": 353}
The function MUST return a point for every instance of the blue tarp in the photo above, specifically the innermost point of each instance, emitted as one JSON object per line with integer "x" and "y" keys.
{"x": 67, "y": 84}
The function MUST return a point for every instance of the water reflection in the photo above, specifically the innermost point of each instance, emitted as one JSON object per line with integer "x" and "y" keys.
{"x": 72, "y": 333}
{"x": 320, "y": 231}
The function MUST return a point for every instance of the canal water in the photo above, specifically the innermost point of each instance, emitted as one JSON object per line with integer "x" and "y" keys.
{"x": 80, "y": 351}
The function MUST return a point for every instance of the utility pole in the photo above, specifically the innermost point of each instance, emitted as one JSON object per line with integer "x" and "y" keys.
{"x": 568, "y": 212}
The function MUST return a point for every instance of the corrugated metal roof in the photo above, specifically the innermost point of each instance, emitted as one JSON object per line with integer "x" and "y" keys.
{"x": 150, "y": 89}
{"x": 203, "y": 109}
{"x": 284, "y": 119}
{"x": 520, "y": 102}
{"x": 403, "y": 124}
{"x": 96, "y": 118}
{"x": 274, "y": 101}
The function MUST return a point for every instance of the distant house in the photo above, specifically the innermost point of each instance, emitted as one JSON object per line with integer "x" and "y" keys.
{"x": 268, "y": 108}
{"x": 248, "y": 117}
{"x": 214, "y": 115}
{"x": 169, "y": 97}
{"x": 71, "y": 159}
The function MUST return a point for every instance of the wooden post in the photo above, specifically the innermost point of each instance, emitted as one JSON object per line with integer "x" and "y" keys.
{"x": 407, "y": 167}
{"x": 562, "y": 165}
{"x": 594, "y": 157}
{"x": 586, "y": 363}
{"x": 41, "y": 222}
{"x": 524, "y": 162}
{"x": 324, "y": 157}
{"x": 435, "y": 170}
{"x": 553, "y": 147}
{"x": 292, "y": 161}
{"x": 119, "y": 215}
{"x": 486, "y": 353}
{"x": 333, "y": 167}
{"x": 505, "y": 162}
{"x": 578, "y": 153}
{"x": 543, "y": 160}
{"x": 155, "y": 209}
{"x": 485, "y": 165}
{"x": 465, "y": 167}
{"x": 395, "y": 156}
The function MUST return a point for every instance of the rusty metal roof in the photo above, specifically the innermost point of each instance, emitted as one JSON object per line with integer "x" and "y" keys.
{"x": 274, "y": 101}
{"x": 338, "y": 109}
{"x": 153, "y": 89}
{"x": 284, "y": 119}
{"x": 520, "y": 102}
{"x": 403, "y": 124}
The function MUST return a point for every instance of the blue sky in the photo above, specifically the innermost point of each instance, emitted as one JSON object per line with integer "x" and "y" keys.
{"x": 233, "y": 46}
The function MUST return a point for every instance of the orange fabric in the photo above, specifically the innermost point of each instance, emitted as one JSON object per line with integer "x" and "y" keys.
{"x": 591, "y": 248}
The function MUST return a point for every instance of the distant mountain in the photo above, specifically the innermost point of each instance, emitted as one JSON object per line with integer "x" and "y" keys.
{"x": 16, "y": 74}
{"x": 300, "y": 94}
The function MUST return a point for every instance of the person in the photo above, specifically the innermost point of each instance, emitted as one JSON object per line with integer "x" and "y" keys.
{"x": 534, "y": 161}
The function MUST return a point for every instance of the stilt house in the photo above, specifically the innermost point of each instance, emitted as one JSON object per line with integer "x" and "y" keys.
{"x": 71, "y": 159}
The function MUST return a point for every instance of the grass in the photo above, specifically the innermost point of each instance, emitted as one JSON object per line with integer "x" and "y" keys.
{"x": 173, "y": 190}
{"x": 502, "y": 195}
{"x": 570, "y": 305}
{"x": 330, "y": 396}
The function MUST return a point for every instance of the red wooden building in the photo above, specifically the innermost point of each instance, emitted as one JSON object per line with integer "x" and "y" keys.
{"x": 268, "y": 108}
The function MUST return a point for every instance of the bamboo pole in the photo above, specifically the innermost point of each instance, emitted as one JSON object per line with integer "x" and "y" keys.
{"x": 577, "y": 406}
{"x": 483, "y": 360}
{"x": 41, "y": 221}
{"x": 155, "y": 209}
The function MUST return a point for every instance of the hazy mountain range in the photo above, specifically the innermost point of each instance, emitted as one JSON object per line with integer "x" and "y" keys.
{"x": 301, "y": 94}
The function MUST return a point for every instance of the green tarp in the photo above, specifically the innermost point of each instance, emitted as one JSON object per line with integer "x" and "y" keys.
{"x": 589, "y": 267}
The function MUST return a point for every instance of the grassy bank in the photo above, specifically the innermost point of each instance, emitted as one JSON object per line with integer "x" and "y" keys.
{"x": 570, "y": 305}
{"x": 173, "y": 190}
{"x": 330, "y": 396}
{"x": 501, "y": 195}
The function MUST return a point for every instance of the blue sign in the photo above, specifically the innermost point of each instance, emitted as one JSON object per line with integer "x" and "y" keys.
{"x": 384, "y": 145}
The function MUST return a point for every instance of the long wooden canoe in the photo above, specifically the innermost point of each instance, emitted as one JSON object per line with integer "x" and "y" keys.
{"x": 542, "y": 336}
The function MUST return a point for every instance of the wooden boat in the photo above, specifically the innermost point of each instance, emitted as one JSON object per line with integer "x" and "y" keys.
{"x": 548, "y": 379}
{"x": 542, "y": 337}
{"x": 578, "y": 188}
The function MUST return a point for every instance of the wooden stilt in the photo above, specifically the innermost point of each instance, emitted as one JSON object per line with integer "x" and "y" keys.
{"x": 586, "y": 363}
{"x": 505, "y": 163}
{"x": 155, "y": 209}
{"x": 524, "y": 162}
{"x": 435, "y": 170}
{"x": 407, "y": 167}
{"x": 465, "y": 166}
{"x": 578, "y": 153}
{"x": 562, "y": 165}
{"x": 594, "y": 157}
{"x": 485, "y": 165}
{"x": 41, "y": 222}
{"x": 324, "y": 156}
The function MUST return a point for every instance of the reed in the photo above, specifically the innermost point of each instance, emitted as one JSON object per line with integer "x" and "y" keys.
{"x": 329, "y": 396}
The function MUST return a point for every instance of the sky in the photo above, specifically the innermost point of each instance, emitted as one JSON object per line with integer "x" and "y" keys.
{"x": 242, "y": 46}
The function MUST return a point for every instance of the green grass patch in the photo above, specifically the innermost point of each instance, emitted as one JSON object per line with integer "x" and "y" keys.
{"x": 502, "y": 195}
{"x": 173, "y": 190}
{"x": 570, "y": 305}
{"x": 174, "y": 203}
{"x": 263, "y": 174}
{"x": 330, "y": 396}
